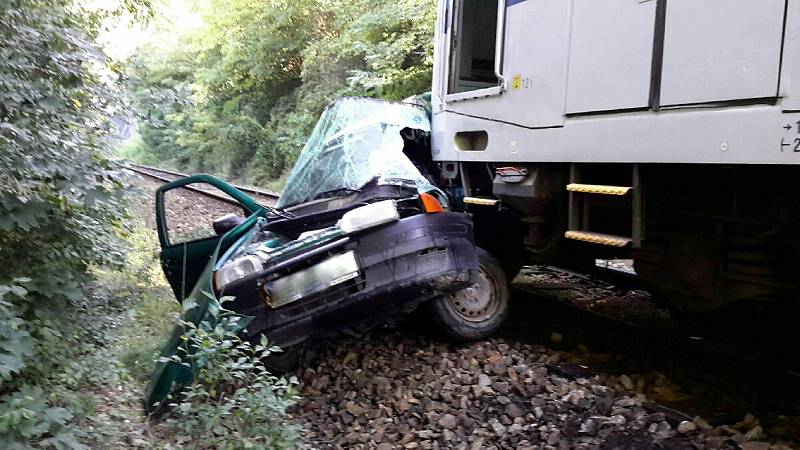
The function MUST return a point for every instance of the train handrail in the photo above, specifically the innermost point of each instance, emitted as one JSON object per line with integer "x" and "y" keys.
{"x": 500, "y": 44}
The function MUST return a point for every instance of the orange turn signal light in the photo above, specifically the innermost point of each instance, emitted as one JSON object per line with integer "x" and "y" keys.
{"x": 430, "y": 204}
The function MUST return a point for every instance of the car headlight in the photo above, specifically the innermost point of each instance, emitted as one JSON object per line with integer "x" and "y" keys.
{"x": 369, "y": 216}
{"x": 238, "y": 269}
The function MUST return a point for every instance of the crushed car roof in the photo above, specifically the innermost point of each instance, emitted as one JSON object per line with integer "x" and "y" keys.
{"x": 357, "y": 140}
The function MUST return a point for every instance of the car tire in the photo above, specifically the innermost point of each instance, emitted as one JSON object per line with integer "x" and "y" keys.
{"x": 477, "y": 311}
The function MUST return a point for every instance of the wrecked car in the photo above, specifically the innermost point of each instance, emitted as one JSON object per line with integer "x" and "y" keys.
{"x": 358, "y": 236}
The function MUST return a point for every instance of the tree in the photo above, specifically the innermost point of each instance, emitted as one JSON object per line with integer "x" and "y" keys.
{"x": 61, "y": 207}
{"x": 244, "y": 92}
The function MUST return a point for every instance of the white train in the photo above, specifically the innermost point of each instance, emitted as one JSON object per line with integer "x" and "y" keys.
{"x": 666, "y": 131}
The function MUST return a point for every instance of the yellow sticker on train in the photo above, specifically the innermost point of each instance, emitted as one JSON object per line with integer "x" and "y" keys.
{"x": 517, "y": 82}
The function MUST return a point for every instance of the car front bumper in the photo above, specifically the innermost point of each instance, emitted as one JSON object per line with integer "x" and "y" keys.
{"x": 400, "y": 265}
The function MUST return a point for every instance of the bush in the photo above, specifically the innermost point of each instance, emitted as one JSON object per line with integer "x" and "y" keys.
{"x": 62, "y": 211}
{"x": 150, "y": 309}
{"x": 234, "y": 402}
{"x": 27, "y": 416}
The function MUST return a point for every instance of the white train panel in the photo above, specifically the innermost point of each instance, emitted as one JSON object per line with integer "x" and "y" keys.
{"x": 535, "y": 71}
{"x": 607, "y": 35}
{"x": 743, "y": 135}
{"x": 717, "y": 50}
{"x": 572, "y": 83}
{"x": 790, "y": 71}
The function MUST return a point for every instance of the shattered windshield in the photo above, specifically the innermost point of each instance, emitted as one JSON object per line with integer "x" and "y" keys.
{"x": 356, "y": 140}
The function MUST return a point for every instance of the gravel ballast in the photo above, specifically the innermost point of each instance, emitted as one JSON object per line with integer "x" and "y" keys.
{"x": 391, "y": 391}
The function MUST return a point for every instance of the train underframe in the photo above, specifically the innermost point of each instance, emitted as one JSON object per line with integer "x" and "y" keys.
{"x": 706, "y": 238}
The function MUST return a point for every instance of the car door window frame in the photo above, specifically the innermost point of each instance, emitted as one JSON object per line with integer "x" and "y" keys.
{"x": 174, "y": 256}
{"x": 245, "y": 201}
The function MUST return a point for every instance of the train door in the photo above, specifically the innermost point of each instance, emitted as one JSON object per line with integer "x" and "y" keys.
{"x": 610, "y": 55}
{"x": 503, "y": 60}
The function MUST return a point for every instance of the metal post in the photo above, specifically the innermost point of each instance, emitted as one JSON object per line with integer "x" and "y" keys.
{"x": 574, "y": 211}
{"x": 637, "y": 209}
{"x": 462, "y": 168}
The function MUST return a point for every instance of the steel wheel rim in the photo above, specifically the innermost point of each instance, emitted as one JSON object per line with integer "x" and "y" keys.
{"x": 478, "y": 302}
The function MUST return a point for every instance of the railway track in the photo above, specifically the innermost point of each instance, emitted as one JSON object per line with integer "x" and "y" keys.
{"x": 167, "y": 176}
{"x": 587, "y": 309}
{"x": 609, "y": 309}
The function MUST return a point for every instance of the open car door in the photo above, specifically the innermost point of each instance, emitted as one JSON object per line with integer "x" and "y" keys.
{"x": 185, "y": 221}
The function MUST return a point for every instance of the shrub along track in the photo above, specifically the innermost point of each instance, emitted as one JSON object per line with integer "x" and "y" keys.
{"x": 399, "y": 387}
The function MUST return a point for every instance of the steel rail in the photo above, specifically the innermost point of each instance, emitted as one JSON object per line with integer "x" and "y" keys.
{"x": 141, "y": 168}
{"x": 149, "y": 172}
{"x": 766, "y": 383}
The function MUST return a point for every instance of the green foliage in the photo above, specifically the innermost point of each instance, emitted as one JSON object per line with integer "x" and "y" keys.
{"x": 58, "y": 192}
{"x": 240, "y": 95}
{"x": 234, "y": 402}
{"x": 150, "y": 309}
{"x": 27, "y": 416}
{"x": 45, "y": 351}
{"x": 60, "y": 206}
{"x": 17, "y": 343}
{"x": 144, "y": 338}
{"x": 61, "y": 211}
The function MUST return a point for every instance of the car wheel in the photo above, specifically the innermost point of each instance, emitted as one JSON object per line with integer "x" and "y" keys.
{"x": 478, "y": 310}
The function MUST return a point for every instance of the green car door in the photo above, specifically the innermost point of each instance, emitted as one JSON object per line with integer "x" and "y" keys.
{"x": 186, "y": 246}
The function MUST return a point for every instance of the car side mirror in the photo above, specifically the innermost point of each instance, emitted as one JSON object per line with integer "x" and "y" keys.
{"x": 227, "y": 222}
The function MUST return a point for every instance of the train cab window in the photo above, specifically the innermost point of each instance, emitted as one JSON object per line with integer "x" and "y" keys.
{"x": 473, "y": 43}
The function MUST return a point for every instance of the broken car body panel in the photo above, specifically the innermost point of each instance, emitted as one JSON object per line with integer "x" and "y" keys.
{"x": 183, "y": 277}
{"x": 350, "y": 245}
